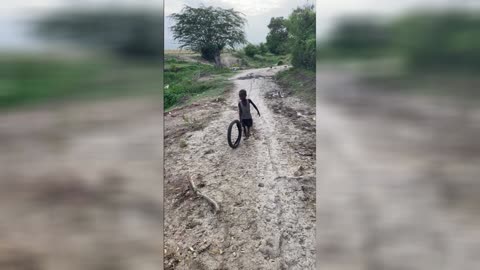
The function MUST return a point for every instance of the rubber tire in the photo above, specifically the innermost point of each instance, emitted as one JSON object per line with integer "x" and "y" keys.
{"x": 229, "y": 134}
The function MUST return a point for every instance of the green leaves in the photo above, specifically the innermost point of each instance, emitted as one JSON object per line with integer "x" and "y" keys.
{"x": 124, "y": 32}
{"x": 301, "y": 37}
{"x": 278, "y": 36}
{"x": 208, "y": 30}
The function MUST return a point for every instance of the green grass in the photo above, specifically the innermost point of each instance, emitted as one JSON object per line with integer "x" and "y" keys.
{"x": 36, "y": 79}
{"x": 188, "y": 81}
{"x": 300, "y": 82}
{"x": 260, "y": 61}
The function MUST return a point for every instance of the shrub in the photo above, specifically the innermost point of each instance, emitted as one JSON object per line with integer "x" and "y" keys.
{"x": 250, "y": 50}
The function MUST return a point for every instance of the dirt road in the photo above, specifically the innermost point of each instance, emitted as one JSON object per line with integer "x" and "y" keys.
{"x": 398, "y": 178}
{"x": 80, "y": 186}
{"x": 265, "y": 188}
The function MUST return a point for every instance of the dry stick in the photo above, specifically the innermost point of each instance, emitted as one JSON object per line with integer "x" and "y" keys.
{"x": 214, "y": 204}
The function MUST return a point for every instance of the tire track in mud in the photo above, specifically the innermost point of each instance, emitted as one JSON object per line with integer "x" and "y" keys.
{"x": 267, "y": 216}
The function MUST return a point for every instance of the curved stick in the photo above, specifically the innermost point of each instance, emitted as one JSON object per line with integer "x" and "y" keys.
{"x": 212, "y": 202}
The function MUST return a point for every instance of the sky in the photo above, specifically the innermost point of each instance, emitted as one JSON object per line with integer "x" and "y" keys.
{"x": 15, "y": 16}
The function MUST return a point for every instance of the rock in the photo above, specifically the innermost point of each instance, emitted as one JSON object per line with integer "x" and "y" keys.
{"x": 261, "y": 185}
{"x": 210, "y": 151}
{"x": 299, "y": 172}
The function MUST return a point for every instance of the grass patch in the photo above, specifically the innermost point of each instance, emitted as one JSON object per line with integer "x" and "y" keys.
{"x": 188, "y": 81}
{"x": 34, "y": 79}
{"x": 299, "y": 82}
{"x": 260, "y": 61}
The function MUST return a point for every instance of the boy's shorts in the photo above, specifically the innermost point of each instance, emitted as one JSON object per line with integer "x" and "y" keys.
{"x": 247, "y": 122}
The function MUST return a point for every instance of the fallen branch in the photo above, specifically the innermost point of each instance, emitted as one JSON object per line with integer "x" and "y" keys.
{"x": 212, "y": 202}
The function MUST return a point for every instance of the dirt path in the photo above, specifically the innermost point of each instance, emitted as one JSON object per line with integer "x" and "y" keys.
{"x": 265, "y": 188}
{"x": 398, "y": 179}
{"x": 81, "y": 186}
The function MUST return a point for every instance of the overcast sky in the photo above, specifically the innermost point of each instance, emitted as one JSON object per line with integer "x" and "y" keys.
{"x": 15, "y": 15}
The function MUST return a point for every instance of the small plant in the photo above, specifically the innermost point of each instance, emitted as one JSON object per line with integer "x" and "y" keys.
{"x": 174, "y": 68}
{"x": 280, "y": 63}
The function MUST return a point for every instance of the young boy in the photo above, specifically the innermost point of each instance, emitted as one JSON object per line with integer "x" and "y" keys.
{"x": 244, "y": 112}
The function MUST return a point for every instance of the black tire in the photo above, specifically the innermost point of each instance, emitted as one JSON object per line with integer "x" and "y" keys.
{"x": 236, "y": 143}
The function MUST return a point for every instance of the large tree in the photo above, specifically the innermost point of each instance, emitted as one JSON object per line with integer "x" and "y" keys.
{"x": 301, "y": 32}
{"x": 208, "y": 30}
{"x": 278, "y": 36}
{"x": 127, "y": 33}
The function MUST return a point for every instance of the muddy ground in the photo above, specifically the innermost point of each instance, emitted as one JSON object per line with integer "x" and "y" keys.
{"x": 265, "y": 187}
{"x": 398, "y": 183}
{"x": 81, "y": 186}
{"x": 398, "y": 178}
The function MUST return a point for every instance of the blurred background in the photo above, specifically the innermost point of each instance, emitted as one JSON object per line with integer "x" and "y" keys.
{"x": 81, "y": 134}
{"x": 398, "y": 122}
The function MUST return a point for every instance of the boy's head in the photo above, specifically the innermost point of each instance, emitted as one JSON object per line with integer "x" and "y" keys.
{"x": 242, "y": 94}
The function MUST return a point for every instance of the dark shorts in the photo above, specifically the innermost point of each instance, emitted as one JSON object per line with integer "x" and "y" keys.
{"x": 247, "y": 122}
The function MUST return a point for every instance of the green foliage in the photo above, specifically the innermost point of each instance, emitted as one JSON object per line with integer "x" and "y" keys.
{"x": 300, "y": 82}
{"x": 441, "y": 40}
{"x": 125, "y": 33}
{"x": 279, "y": 63}
{"x": 28, "y": 80}
{"x": 250, "y": 50}
{"x": 185, "y": 82}
{"x": 277, "y": 36}
{"x": 360, "y": 36}
{"x": 262, "y": 48}
{"x": 208, "y": 30}
{"x": 259, "y": 61}
{"x": 447, "y": 40}
{"x": 301, "y": 31}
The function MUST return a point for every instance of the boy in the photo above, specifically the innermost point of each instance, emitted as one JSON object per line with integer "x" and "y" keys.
{"x": 244, "y": 112}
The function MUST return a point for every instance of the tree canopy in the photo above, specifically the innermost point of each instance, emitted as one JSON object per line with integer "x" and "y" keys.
{"x": 126, "y": 33}
{"x": 301, "y": 36}
{"x": 208, "y": 30}
{"x": 278, "y": 36}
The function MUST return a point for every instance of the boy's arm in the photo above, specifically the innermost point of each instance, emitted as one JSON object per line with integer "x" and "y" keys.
{"x": 239, "y": 112}
{"x": 254, "y": 106}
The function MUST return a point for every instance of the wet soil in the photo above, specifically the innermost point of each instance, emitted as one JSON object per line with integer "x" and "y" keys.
{"x": 265, "y": 187}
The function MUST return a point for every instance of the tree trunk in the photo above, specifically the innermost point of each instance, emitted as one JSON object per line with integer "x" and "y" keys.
{"x": 218, "y": 60}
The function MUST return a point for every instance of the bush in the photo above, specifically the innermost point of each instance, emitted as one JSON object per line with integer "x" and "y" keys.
{"x": 449, "y": 40}
{"x": 250, "y": 50}
{"x": 280, "y": 63}
{"x": 262, "y": 48}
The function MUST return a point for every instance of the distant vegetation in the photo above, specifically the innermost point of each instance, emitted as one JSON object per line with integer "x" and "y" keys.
{"x": 294, "y": 36}
{"x": 442, "y": 40}
{"x": 125, "y": 33}
{"x": 35, "y": 79}
{"x": 208, "y": 30}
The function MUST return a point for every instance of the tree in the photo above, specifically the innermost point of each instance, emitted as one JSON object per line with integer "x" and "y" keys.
{"x": 250, "y": 50}
{"x": 301, "y": 36}
{"x": 439, "y": 40}
{"x": 124, "y": 32}
{"x": 262, "y": 48}
{"x": 208, "y": 30}
{"x": 278, "y": 36}
{"x": 360, "y": 36}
